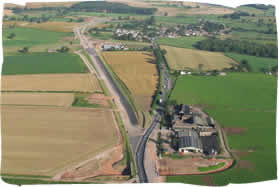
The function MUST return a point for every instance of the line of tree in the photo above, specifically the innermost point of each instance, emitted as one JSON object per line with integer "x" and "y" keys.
{"x": 260, "y": 6}
{"x": 210, "y": 26}
{"x": 110, "y": 7}
{"x": 242, "y": 47}
{"x": 236, "y": 15}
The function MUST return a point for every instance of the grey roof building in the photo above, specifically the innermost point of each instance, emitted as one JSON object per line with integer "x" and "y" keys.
{"x": 189, "y": 141}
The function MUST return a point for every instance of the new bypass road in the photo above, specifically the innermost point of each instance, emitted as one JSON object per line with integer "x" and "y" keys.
{"x": 141, "y": 148}
{"x": 137, "y": 140}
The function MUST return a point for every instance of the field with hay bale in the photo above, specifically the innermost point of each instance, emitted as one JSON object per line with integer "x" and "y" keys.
{"x": 138, "y": 73}
{"x": 190, "y": 59}
{"x": 32, "y": 141}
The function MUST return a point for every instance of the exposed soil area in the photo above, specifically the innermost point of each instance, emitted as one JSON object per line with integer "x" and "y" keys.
{"x": 100, "y": 99}
{"x": 189, "y": 165}
{"x": 234, "y": 130}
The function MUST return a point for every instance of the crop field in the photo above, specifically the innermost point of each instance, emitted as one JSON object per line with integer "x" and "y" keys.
{"x": 52, "y": 82}
{"x": 180, "y": 59}
{"x": 49, "y": 4}
{"x": 138, "y": 72}
{"x": 8, "y": 12}
{"x": 256, "y": 62}
{"x": 181, "y": 42}
{"x": 103, "y": 35}
{"x": 49, "y": 99}
{"x": 56, "y": 26}
{"x": 32, "y": 141}
{"x": 31, "y": 37}
{"x": 207, "y": 9}
{"x": 40, "y": 63}
{"x": 244, "y": 104}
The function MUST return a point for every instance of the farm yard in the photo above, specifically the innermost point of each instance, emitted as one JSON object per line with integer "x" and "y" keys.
{"x": 42, "y": 63}
{"x": 52, "y": 83}
{"x": 246, "y": 110}
{"x": 32, "y": 142}
{"x": 138, "y": 73}
{"x": 181, "y": 59}
{"x": 47, "y": 99}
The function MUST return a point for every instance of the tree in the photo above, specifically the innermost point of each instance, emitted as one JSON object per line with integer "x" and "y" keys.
{"x": 63, "y": 49}
{"x": 166, "y": 14}
{"x": 24, "y": 50}
{"x": 11, "y": 36}
{"x": 200, "y": 66}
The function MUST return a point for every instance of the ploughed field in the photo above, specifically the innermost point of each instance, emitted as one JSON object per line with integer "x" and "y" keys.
{"x": 138, "y": 72}
{"x": 51, "y": 83}
{"x": 244, "y": 105}
{"x": 41, "y": 140}
{"x": 190, "y": 59}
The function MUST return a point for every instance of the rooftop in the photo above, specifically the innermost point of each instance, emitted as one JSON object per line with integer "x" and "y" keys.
{"x": 189, "y": 138}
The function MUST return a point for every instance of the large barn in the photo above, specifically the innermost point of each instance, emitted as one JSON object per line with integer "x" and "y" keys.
{"x": 189, "y": 141}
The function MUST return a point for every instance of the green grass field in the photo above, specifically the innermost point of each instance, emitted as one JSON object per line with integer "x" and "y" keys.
{"x": 31, "y": 37}
{"x": 239, "y": 100}
{"x": 256, "y": 62}
{"x": 36, "y": 63}
{"x": 103, "y": 35}
{"x": 211, "y": 168}
{"x": 182, "y": 42}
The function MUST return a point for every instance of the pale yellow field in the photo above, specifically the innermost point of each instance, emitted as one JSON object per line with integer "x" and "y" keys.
{"x": 39, "y": 140}
{"x": 137, "y": 71}
{"x": 8, "y": 12}
{"x": 181, "y": 59}
{"x": 49, "y": 4}
{"x": 51, "y": 82}
{"x": 57, "y": 26}
{"x": 49, "y": 99}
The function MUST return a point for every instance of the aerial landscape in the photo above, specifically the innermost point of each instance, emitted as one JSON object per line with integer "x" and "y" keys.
{"x": 138, "y": 91}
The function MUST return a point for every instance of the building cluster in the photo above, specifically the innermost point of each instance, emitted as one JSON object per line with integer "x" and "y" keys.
{"x": 111, "y": 47}
{"x": 196, "y": 132}
{"x": 131, "y": 35}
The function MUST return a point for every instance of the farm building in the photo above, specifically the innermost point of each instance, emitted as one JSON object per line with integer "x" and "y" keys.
{"x": 107, "y": 47}
{"x": 210, "y": 145}
{"x": 189, "y": 141}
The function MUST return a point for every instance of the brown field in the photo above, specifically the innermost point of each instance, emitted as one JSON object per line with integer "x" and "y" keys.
{"x": 181, "y": 59}
{"x": 49, "y": 4}
{"x": 137, "y": 71}
{"x": 51, "y": 82}
{"x": 8, "y": 12}
{"x": 46, "y": 140}
{"x": 189, "y": 165}
{"x": 50, "y": 99}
